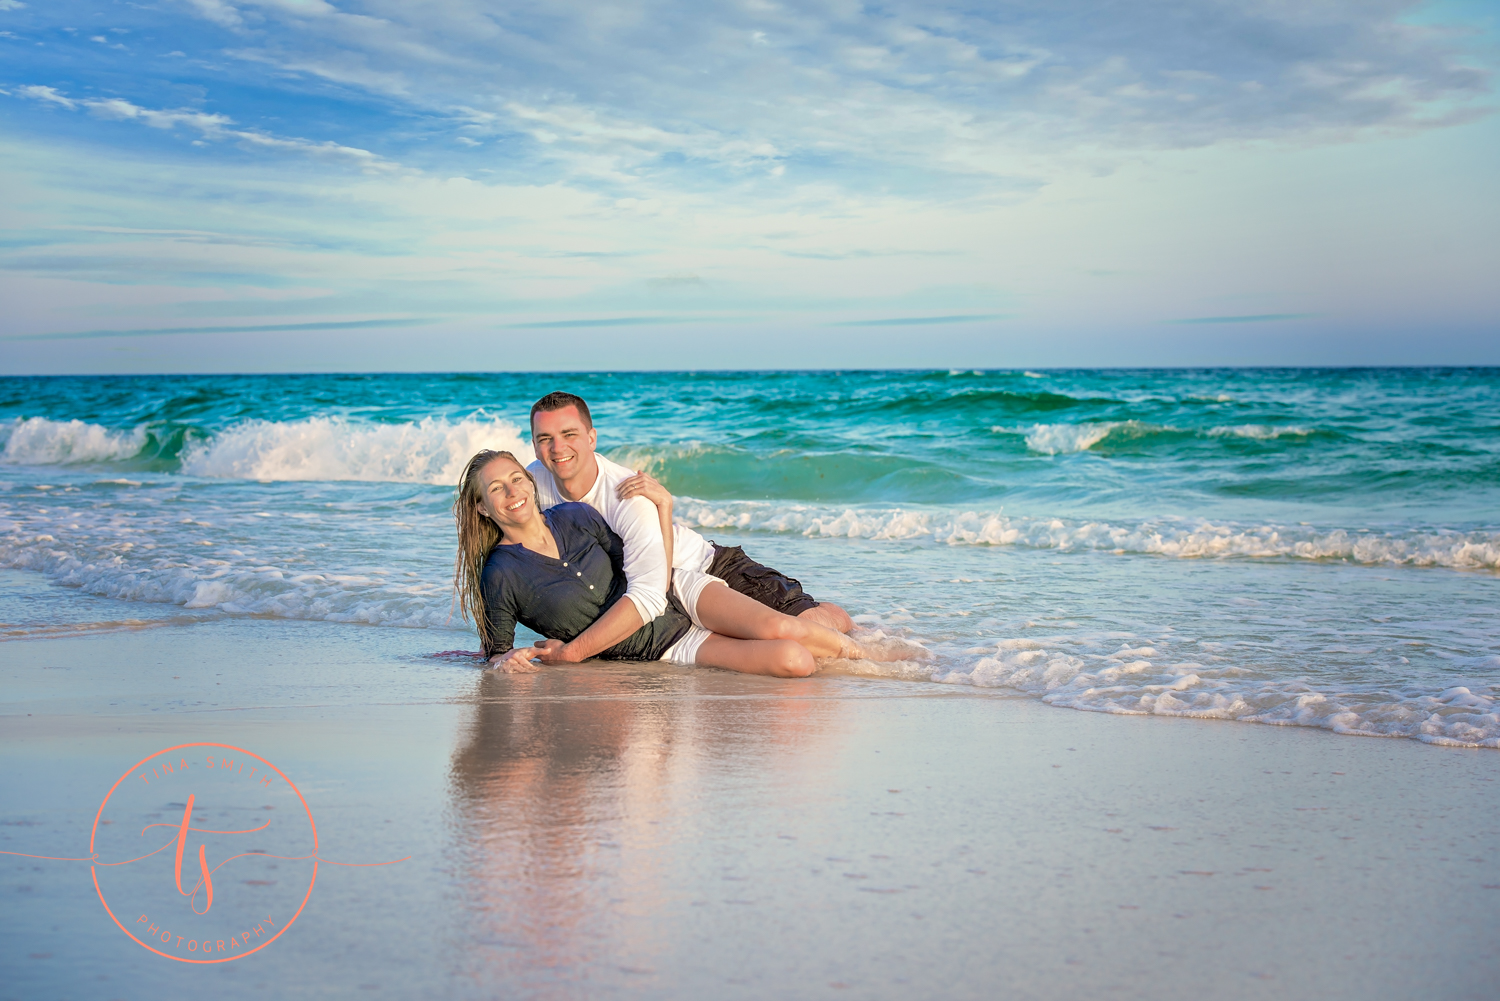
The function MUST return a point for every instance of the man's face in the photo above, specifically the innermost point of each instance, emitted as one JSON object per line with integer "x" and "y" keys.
{"x": 564, "y": 446}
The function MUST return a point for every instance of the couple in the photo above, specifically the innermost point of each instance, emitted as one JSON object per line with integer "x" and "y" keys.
{"x": 579, "y": 547}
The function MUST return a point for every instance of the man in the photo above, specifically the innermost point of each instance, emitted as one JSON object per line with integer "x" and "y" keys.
{"x": 639, "y": 510}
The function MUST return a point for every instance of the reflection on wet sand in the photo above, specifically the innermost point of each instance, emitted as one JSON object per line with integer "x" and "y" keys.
{"x": 577, "y": 802}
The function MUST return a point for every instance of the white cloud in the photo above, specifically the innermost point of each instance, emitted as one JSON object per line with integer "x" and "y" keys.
{"x": 121, "y": 110}
{"x": 11, "y": 4}
{"x": 219, "y": 12}
{"x": 48, "y": 95}
{"x": 211, "y": 126}
{"x": 904, "y": 93}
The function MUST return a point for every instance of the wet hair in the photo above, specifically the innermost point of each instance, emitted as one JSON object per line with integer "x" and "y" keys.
{"x": 477, "y": 536}
{"x": 562, "y": 401}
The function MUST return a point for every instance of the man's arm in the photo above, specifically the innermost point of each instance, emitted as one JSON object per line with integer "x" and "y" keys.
{"x": 608, "y": 629}
{"x": 650, "y": 570}
{"x": 643, "y": 484}
{"x": 647, "y": 572}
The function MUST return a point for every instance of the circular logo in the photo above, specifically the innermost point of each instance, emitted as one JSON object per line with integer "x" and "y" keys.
{"x": 204, "y": 853}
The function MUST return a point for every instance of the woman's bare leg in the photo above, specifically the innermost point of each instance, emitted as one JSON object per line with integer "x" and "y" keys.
{"x": 829, "y": 615}
{"x": 731, "y": 614}
{"x": 778, "y": 658}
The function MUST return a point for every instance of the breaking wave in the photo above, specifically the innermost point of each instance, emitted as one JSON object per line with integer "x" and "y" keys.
{"x": 1068, "y": 439}
{"x": 37, "y": 441}
{"x": 329, "y": 448}
{"x": 317, "y": 448}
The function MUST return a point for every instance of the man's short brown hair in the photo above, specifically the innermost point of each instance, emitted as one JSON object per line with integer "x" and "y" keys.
{"x": 562, "y": 401}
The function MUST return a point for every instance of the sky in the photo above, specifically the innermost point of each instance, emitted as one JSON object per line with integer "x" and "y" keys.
{"x": 372, "y": 185}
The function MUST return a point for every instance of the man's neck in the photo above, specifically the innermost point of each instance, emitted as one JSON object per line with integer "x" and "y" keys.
{"x": 577, "y": 488}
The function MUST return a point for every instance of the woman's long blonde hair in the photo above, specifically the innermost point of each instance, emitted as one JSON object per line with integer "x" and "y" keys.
{"x": 477, "y": 535}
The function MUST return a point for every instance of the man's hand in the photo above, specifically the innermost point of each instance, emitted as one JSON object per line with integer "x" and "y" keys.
{"x": 555, "y": 652}
{"x": 517, "y": 661}
{"x": 643, "y": 484}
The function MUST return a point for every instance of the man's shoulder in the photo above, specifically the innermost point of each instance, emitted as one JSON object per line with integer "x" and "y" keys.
{"x": 603, "y": 496}
{"x": 612, "y": 471}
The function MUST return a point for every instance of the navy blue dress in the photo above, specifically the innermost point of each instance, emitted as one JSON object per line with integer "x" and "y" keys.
{"x": 560, "y": 598}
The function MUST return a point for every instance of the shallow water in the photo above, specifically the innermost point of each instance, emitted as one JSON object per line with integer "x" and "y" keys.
{"x": 1281, "y": 546}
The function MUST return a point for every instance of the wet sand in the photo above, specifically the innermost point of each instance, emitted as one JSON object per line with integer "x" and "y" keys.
{"x": 642, "y": 830}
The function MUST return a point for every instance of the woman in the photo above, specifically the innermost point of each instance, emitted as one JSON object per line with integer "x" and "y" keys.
{"x": 558, "y": 571}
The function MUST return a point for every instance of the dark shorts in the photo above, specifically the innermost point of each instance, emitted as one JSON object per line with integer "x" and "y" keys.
{"x": 771, "y": 588}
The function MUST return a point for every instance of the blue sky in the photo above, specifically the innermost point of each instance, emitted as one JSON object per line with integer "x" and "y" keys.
{"x": 216, "y": 185}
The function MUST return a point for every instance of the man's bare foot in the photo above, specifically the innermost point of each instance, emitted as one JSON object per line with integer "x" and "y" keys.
{"x": 878, "y": 646}
{"x": 851, "y": 650}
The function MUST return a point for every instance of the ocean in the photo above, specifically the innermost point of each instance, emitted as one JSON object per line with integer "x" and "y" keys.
{"x": 1293, "y": 547}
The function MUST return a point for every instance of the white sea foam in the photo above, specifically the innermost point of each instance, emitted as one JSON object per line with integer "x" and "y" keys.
{"x": 201, "y": 566}
{"x": 37, "y": 441}
{"x": 1100, "y": 673}
{"x": 327, "y": 448}
{"x": 1079, "y": 674}
{"x": 1260, "y": 432}
{"x": 1179, "y": 538}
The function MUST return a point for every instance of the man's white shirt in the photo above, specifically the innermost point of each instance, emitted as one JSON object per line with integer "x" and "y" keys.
{"x": 636, "y": 522}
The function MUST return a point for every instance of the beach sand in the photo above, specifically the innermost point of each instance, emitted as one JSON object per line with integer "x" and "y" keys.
{"x": 616, "y": 829}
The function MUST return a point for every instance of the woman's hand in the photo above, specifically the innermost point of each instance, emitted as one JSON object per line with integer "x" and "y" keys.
{"x": 516, "y": 661}
{"x": 643, "y": 484}
{"x": 555, "y": 652}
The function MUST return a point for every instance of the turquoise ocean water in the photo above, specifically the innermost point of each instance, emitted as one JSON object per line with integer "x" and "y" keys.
{"x": 1296, "y": 547}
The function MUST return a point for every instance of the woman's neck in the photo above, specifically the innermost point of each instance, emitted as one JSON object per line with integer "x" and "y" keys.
{"x": 534, "y": 535}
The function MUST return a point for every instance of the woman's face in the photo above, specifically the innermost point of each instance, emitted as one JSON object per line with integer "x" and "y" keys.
{"x": 507, "y": 496}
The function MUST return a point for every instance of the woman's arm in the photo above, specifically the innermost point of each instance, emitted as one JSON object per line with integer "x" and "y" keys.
{"x": 499, "y": 613}
{"x": 643, "y": 484}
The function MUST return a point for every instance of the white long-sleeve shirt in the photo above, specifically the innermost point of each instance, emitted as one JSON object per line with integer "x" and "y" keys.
{"x": 636, "y": 522}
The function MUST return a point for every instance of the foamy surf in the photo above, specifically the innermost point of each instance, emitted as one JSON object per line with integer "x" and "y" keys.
{"x": 1079, "y": 673}
{"x": 1177, "y": 538}
{"x": 1100, "y": 673}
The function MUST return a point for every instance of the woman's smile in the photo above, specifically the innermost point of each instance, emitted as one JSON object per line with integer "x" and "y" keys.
{"x": 509, "y": 496}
